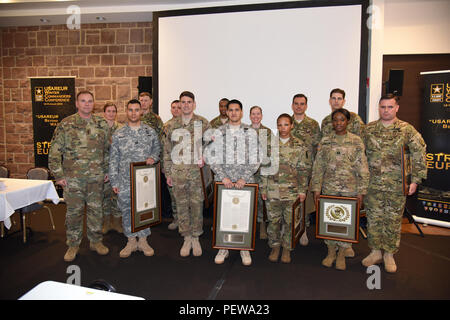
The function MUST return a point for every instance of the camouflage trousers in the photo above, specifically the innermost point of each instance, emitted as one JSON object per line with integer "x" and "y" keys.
{"x": 174, "y": 204}
{"x": 110, "y": 205}
{"x": 189, "y": 201}
{"x": 279, "y": 230}
{"x": 78, "y": 194}
{"x": 124, "y": 202}
{"x": 384, "y": 211}
{"x": 260, "y": 216}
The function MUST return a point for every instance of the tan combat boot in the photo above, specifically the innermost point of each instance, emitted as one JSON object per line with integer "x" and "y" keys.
{"x": 340, "y": 260}
{"x": 329, "y": 259}
{"x": 286, "y": 256}
{"x": 143, "y": 246}
{"x": 349, "y": 253}
{"x": 374, "y": 257}
{"x": 106, "y": 224}
{"x": 71, "y": 254}
{"x": 99, "y": 248}
{"x": 274, "y": 254}
{"x": 389, "y": 262}
{"x": 117, "y": 224}
{"x": 186, "y": 248}
{"x": 129, "y": 248}
{"x": 196, "y": 247}
{"x": 262, "y": 230}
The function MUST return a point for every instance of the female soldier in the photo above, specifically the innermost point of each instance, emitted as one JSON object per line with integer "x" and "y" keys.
{"x": 340, "y": 169}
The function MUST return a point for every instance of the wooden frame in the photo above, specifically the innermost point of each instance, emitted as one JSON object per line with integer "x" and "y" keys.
{"x": 298, "y": 221}
{"x": 207, "y": 177}
{"x": 231, "y": 233}
{"x": 337, "y": 218}
{"x": 141, "y": 216}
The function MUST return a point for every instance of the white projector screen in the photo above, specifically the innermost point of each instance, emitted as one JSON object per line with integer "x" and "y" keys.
{"x": 261, "y": 57}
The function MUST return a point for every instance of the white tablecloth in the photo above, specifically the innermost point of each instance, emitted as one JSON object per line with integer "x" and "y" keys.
{"x": 19, "y": 193}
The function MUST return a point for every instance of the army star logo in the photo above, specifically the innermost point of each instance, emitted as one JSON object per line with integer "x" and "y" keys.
{"x": 337, "y": 213}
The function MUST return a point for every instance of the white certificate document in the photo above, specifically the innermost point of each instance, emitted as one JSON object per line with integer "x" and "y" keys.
{"x": 145, "y": 189}
{"x": 235, "y": 210}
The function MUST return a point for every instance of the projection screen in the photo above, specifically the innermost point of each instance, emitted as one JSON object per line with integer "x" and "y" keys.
{"x": 262, "y": 55}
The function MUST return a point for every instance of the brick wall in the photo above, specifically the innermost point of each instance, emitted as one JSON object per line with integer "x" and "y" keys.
{"x": 105, "y": 59}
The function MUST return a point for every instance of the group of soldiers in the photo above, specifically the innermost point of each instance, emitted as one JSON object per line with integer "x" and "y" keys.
{"x": 90, "y": 156}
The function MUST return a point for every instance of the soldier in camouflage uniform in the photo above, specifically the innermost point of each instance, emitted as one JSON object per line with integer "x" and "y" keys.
{"x": 255, "y": 118}
{"x": 282, "y": 189}
{"x": 307, "y": 130}
{"x": 134, "y": 142}
{"x": 148, "y": 116}
{"x": 222, "y": 118}
{"x": 175, "y": 109}
{"x": 340, "y": 169}
{"x": 110, "y": 208}
{"x": 236, "y": 164}
{"x": 78, "y": 159}
{"x": 337, "y": 101}
{"x": 183, "y": 139}
{"x": 385, "y": 201}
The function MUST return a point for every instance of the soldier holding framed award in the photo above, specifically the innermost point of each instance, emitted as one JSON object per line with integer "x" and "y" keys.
{"x": 134, "y": 142}
{"x": 340, "y": 170}
{"x": 234, "y": 162}
{"x": 285, "y": 189}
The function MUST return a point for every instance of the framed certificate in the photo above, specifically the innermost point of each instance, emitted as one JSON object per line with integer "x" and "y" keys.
{"x": 406, "y": 170}
{"x": 207, "y": 185}
{"x": 145, "y": 195}
{"x": 235, "y": 212}
{"x": 337, "y": 218}
{"x": 298, "y": 221}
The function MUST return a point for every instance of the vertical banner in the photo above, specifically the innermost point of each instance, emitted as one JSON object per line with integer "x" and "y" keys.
{"x": 434, "y": 196}
{"x": 53, "y": 99}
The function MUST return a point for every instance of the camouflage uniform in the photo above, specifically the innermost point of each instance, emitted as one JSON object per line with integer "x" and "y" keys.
{"x": 216, "y": 122}
{"x": 129, "y": 145}
{"x": 260, "y": 216}
{"x": 172, "y": 197}
{"x": 308, "y": 131}
{"x": 355, "y": 125}
{"x": 109, "y": 197}
{"x": 153, "y": 121}
{"x": 79, "y": 154}
{"x": 340, "y": 169}
{"x": 186, "y": 179}
{"x": 283, "y": 188}
{"x": 385, "y": 200}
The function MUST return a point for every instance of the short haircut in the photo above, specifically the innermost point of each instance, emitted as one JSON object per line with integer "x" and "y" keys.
{"x": 234, "y": 101}
{"x": 300, "y": 95}
{"x": 146, "y": 94}
{"x": 224, "y": 99}
{"x": 174, "y": 101}
{"x": 337, "y": 90}
{"x": 255, "y": 107}
{"x": 389, "y": 96}
{"x": 345, "y": 112}
{"x": 109, "y": 104}
{"x": 187, "y": 94}
{"x": 85, "y": 92}
{"x": 133, "y": 101}
{"x": 285, "y": 115}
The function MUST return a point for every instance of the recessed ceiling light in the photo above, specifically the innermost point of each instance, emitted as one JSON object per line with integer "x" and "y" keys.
{"x": 100, "y": 18}
{"x": 44, "y": 20}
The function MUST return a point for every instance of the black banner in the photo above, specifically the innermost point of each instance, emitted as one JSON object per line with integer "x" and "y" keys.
{"x": 434, "y": 195}
{"x": 53, "y": 99}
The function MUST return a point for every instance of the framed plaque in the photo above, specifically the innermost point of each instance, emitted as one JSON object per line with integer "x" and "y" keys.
{"x": 337, "y": 218}
{"x": 145, "y": 195}
{"x": 235, "y": 212}
{"x": 207, "y": 185}
{"x": 406, "y": 170}
{"x": 298, "y": 221}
